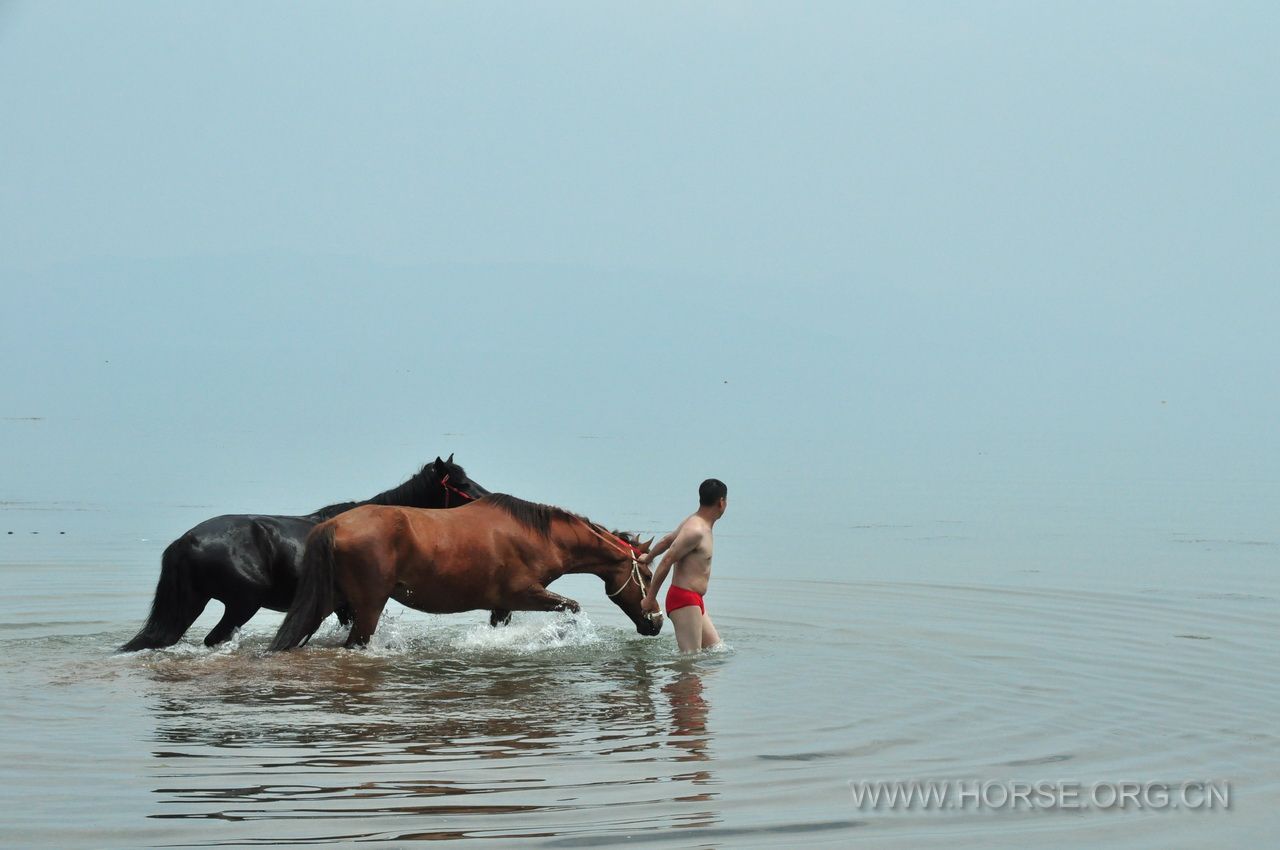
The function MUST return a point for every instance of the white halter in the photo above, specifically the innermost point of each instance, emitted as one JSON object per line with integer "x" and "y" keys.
{"x": 635, "y": 576}
{"x": 638, "y": 578}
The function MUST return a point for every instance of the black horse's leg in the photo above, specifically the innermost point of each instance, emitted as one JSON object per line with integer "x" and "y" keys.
{"x": 540, "y": 599}
{"x": 235, "y": 616}
{"x": 500, "y": 616}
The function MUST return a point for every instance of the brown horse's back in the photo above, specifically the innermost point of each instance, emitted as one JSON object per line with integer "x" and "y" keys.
{"x": 437, "y": 561}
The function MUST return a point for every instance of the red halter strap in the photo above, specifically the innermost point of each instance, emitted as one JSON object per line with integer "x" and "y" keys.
{"x": 616, "y": 542}
{"x": 444, "y": 482}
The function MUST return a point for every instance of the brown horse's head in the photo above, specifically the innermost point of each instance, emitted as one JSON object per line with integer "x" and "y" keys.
{"x": 627, "y": 583}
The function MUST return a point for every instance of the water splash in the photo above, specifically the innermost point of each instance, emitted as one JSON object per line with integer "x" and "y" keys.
{"x": 533, "y": 634}
{"x": 526, "y": 634}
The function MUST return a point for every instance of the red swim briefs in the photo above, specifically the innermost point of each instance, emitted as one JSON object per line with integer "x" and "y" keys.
{"x": 682, "y": 597}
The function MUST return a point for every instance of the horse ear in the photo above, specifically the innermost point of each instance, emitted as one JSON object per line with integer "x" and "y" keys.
{"x": 646, "y": 545}
{"x": 450, "y": 460}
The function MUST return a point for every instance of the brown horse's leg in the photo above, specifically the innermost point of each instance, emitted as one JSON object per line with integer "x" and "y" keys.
{"x": 365, "y": 576}
{"x": 366, "y": 622}
{"x": 540, "y": 599}
{"x": 500, "y": 615}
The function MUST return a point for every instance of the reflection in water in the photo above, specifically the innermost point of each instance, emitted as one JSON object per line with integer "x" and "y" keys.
{"x": 428, "y": 745}
{"x": 689, "y": 711}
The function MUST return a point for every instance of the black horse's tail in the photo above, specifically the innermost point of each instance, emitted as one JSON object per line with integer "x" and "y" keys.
{"x": 315, "y": 597}
{"x": 177, "y": 602}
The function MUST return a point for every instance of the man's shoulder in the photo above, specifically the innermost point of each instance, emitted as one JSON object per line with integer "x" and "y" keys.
{"x": 694, "y": 524}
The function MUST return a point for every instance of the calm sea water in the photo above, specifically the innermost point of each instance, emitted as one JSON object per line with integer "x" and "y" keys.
{"x": 564, "y": 731}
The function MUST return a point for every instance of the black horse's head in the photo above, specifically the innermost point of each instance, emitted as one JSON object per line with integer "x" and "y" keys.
{"x": 454, "y": 487}
{"x": 439, "y": 484}
{"x": 627, "y": 586}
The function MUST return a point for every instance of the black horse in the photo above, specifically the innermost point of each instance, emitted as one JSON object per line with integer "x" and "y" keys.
{"x": 251, "y": 561}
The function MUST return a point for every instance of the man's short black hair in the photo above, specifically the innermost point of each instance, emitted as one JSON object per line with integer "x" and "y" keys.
{"x": 711, "y": 491}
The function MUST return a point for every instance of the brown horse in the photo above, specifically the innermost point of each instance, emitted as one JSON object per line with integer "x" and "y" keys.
{"x": 497, "y": 553}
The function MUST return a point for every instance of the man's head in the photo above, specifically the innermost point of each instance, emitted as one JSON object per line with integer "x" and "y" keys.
{"x": 713, "y": 496}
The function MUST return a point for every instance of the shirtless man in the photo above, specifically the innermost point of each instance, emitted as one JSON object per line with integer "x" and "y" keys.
{"x": 688, "y": 550}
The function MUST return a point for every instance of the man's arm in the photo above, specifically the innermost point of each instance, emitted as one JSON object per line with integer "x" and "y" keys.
{"x": 658, "y": 548}
{"x": 686, "y": 540}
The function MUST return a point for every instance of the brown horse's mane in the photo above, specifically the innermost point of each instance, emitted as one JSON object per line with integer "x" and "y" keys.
{"x": 537, "y": 517}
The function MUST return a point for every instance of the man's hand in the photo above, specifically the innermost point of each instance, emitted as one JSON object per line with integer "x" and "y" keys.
{"x": 646, "y": 558}
{"x": 649, "y": 605}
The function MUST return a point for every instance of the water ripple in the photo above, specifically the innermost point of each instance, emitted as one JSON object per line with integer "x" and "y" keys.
{"x": 569, "y": 731}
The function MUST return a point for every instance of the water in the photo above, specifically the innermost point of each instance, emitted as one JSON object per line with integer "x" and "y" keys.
{"x": 563, "y": 731}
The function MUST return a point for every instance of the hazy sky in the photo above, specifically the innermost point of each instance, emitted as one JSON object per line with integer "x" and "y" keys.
{"x": 261, "y": 256}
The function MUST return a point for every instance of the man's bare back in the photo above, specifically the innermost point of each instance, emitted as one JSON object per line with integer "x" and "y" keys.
{"x": 689, "y": 550}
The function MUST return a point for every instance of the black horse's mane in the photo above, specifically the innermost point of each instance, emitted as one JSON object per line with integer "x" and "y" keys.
{"x": 538, "y": 517}
{"x": 331, "y": 511}
{"x": 414, "y": 491}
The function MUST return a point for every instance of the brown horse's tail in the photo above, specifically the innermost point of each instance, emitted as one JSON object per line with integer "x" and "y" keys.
{"x": 315, "y": 597}
{"x": 177, "y": 602}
